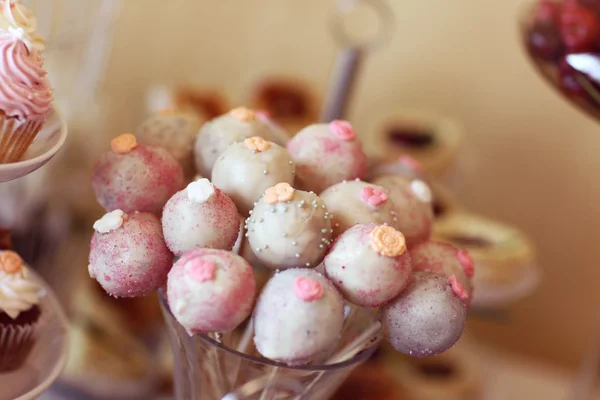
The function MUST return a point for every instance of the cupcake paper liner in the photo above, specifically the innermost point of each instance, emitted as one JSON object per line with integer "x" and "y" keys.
{"x": 16, "y": 136}
{"x": 16, "y": 342}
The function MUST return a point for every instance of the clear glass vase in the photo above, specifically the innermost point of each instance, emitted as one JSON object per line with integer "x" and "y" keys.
{"x": 214, "y": 367}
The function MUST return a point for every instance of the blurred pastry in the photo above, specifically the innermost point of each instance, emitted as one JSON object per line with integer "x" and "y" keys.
{"x": 445, "y": 202}
{"x": 5, "y": 239}
{"x": 370, "y": 381}
{"x": 432, "y": 140}
{"x": 290, "y": 102}
{"x": 201, "y": 103}
{"x": 503, "y": 255}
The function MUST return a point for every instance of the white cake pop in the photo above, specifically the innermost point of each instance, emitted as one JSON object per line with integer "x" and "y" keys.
{"x": 298, "y": 317}
{"x": 246, "y": 169}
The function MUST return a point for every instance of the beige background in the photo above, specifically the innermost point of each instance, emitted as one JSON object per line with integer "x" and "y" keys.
{"x": 536, "y": 155}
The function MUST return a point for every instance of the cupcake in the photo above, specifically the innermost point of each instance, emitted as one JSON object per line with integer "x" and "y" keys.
{"x": 19, "y": 311}
{"x": 25, "y": 95}
{"x": 15, "y": 18}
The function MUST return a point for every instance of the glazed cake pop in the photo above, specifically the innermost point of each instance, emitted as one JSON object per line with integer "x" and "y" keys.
{"x": 217, "y": 134}
{"x": 298, "y": 317}
{"x": 200, "y": 216}
{"x": 289, "y": 228}
{"x": 427, "y": 318}
{"x": 358, "y": 202}
{"x": 210, "y": 290}
{"x": 445, "y": 259}
{"x": 326, "y": 154}
{"x": 413, "y": 204}
{"x": 246, "y": 169}
{"x": 135, "y": 177}
{"x": 175, "y": 132}
{"x": 128, "y": 255}
{"x": 405, "y": 166}
{"x": 369, "y": 264}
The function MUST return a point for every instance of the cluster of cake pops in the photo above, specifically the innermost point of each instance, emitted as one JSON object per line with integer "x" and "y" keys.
{"x": 298, "y": 208}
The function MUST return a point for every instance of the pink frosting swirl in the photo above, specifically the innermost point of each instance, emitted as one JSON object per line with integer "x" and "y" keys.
{"x": 24, "y": 90}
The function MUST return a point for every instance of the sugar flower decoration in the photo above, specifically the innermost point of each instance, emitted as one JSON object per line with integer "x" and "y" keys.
{"x": 308, "y": 289}
{"x": 457, "y": 288}
{"x": 200, "y": 191}
{"x": 110, "y": 222}
{"x": 421, "y": 190}
{"x": 10, "y": 262}
{"x": 243, "y": 114}
{"x": 343, "y": 130}
{"x": 387, "y": 241}
{"x": 257, "y": 143}
{"x": 201, "y": 270}
{"x": 123, "y": 144}
{"x": 373, "y": 196}
{"x": 279, "y": 193}
{"x": 466, "y": 261}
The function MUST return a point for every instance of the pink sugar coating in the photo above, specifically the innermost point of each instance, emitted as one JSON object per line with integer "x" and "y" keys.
{"x": 457, "y": 288}
{"x": 466, "y": 261}
{"x": 308, "y": 289}
{"x": 133, "y": 260}
{"x": 219, "y": 215}
{"x": 343, "y": 130}
{"x": 230, "y": 304}
{"x": 141, "y": 180}
{"x": 201, "y": 270}
{"x": 373, "y": 196}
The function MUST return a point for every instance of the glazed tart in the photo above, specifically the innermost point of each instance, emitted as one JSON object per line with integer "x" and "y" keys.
{"x": 432, "y": 140}
{"x": 290, "y": 102}
{"x": 451, "y": 375}
{"x": 203, "y": 104}
{"x": 503, "y": 255}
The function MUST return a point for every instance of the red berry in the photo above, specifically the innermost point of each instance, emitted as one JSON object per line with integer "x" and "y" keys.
{"x": 579, "y": 28}
{"x": 548, "y": 12}
{"x": 544, "y": 42}
{"x": 593, "y": 5}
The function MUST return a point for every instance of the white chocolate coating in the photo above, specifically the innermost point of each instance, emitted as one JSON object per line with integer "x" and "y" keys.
{"x": 217, "y": 134}
{"x": 427, "y": 318}
{"x": 363, "y": 276}
{"x": 441, "y": 258}
{"x": 292, "y": 330}
{"x": 290, "y": 234}
{"x": 348, "y": 208}
{"x": 415, "y": 216}
{"x": 190, "y": 224}
{"x": 174, "y": 133}
{"x": 244, "y": 174}
{"x": 323, "y": 159}
{"x": 210, "y": 290}
{"x": 133, "y": 259}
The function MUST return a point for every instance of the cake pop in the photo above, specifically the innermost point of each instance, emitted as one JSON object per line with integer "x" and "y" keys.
{"x": 369, "y": 264}
{"x": 200, "y": 216}
{"x": 413, "y": 205}
{"x": 175, "y": 132}
{"x": 279, "y": 134}
{"x": 128, "y": 255}
{"x": 427, "y": 318}
{"x": 246, "y": 169}
{"x": 358, "y": 202}
{"x": 445, "y": 259}
{"x": 214, "y": 136}
{"x": 326, "y": 154}
{"x": 210, "y": 290}
{"x": 298, "y": 317}
{"x": 135, "y": 177}
{"x": 289, "y": 228}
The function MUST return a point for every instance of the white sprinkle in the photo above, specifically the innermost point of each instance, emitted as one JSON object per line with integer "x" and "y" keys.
{"x": 421, "y": 190}
{"x": 308, "y": 264}
{"x": 265, "y": 172}
{"x": 321, "y": 246}
{"x": 297, "y": 255}
{"x": 258, "y": 249}
{"x": 294, "y": 243}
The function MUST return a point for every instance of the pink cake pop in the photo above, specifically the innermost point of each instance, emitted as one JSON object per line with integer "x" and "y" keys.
{"x": 246, "y": 169}
{"x": 445, "y": 259}
{"x": 174, "y": 132}
{"x": 326, "y": 154}
{"x": 135, "y": 177}
{"x": 214, "y": 136}
{"x": 405, "y": 166}
{"x": 289, "y": 228}
{"x": 298, "y": 317}
{"x": 210, "y": 290}
{"x": 369, "y": 264}
{"x": 200, "y": 216}
{"x": 128, "y": 255}
{"x": 427, "y": 318}
{"x": 357, "y": 202}
{"x": 413, "y": 205}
